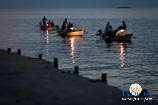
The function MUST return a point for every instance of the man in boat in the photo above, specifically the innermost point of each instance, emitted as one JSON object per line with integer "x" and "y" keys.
{"x": 52, "y": 23}
{"x": 70, "y": 27}
{"x": 49, "y": 24}
{"x": 64, "y": 25}
{"x": 124, "y": 25}
{"x": 44, "y": 21}
{"x": 108, "y": 29}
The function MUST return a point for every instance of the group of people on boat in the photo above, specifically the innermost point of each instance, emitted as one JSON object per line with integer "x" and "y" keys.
{"x": 109, "y": 29}
{"x": 67, "y": 26}
{"x": 47, "y": 23}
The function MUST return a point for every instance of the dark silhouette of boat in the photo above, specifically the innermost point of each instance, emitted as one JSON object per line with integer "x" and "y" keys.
{"x": 120, "y": 35}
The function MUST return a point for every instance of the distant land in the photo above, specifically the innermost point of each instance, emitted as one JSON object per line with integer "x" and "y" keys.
{"x": 124, "y": 7}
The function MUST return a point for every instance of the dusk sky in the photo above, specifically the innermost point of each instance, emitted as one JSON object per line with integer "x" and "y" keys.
{"x": 76, "y": 3}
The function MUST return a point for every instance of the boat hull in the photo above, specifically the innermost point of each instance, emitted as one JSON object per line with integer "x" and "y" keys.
{"x": 72, "y": 33}
{"x": 45, "y": 28}
{"x": 76, "y": 33}
{"x": 125, "y": 38}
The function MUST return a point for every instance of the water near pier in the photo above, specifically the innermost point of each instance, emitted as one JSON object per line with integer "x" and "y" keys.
{"x": 125, "y": 63}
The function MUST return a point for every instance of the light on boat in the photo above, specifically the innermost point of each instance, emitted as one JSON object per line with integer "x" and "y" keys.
{"x": 121, "y": 32}
{"x": 72, "y": 28}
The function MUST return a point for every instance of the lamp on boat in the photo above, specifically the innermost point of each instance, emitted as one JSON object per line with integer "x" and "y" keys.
{"x": 72, "y": 28}
{"x": 121, "y": 32}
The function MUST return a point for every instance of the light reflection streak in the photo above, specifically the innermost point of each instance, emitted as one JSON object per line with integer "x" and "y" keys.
{"x": 73, "y": 46}
{"x": 47, "y": 43}
{"x": 122, "y": 54}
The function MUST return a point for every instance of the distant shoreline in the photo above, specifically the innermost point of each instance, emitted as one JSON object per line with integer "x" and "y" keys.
{"x": 124, "y": 7}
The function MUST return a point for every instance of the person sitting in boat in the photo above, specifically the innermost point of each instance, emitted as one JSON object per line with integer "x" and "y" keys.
{"x": 70, "y": 27}
{"x": 64, "y": 25}
{"x": 44, "y": 21}
{"x": 52, "y": 23}
{"x": 108, "y": 29}
{"x": 124, "y": 25}
{"x": 99, "y": 32}
{"x": 49, "y": 24}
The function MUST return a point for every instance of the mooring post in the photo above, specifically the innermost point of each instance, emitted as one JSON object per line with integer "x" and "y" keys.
{"x": 104, "y": 77}
{"x": 56, "y": 63}
{"x": 40, "y": 56}
{"x": 9, "y": 50}
{"x": 76, "y": 70}
{"x": 19, "y": 51}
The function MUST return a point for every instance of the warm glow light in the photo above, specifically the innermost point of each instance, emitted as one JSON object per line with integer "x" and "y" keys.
{"x": 72, "y": 28}
{"x": 121, "y": 32}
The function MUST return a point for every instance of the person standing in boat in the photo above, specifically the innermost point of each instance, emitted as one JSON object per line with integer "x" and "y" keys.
{"x": 64, "y": 25}
{"x": 44, "y": 21}
{"x": 52, "y": 23}
{"x": 124, "y": 25}
{"x": 108, "y": 29}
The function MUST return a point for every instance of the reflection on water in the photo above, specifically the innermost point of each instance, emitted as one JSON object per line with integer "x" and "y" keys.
{"x": 73, "y": 46}
{"x": 122, "y": 54}
{"x": 47, "y": 43}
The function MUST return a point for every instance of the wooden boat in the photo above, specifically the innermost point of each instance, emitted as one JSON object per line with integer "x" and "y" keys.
{"x": 120, "y": 35}
{"x": 125, "y": 38}
{"x": 78, "y": 32}
{"x": 46, "y": 28}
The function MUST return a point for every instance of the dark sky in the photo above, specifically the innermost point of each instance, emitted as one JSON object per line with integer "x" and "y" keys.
{"x": 76, "y": 3}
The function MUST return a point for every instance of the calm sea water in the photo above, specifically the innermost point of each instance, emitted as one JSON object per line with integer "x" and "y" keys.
{"x": 125, "y": 63}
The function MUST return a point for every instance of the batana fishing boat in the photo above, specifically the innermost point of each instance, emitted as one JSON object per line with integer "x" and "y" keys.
{"x": 71, "y": 32}
{"x": 46, "y": 28}
{"x": 120, "y": 35}
{"x": 79, "y": 32}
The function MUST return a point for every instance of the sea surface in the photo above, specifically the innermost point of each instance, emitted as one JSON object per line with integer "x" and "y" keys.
{"x": 124, "y": 63}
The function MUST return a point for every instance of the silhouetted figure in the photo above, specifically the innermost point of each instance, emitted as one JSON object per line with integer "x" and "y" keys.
{"x": 44, "y": 21}
{"x": 64, "y": 25}
{"x": 100, "y": 33}
{"x": 69, "y": 26}
{"x": 49, "y": 24}
{"x": 124, "y": 25}
{"x": 52, "y": 23}
{"x": 108, "y": 29}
